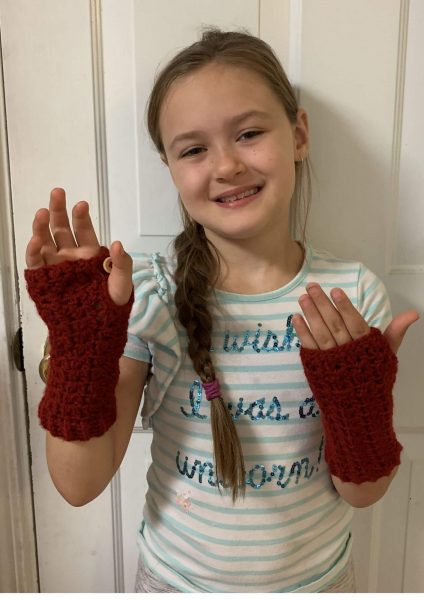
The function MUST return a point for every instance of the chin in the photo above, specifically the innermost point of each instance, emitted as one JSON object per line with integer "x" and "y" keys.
{"x": 236, "y": 233}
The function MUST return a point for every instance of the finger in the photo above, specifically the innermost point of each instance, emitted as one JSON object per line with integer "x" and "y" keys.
{"x": 120, "y": 283}
{"x": 319, "y": 329}
{"x": 397, "y": 328}
{"x": 40, "y": 228}
{"x": 303, "y": 333}
{"x": 42, "y": 241}
{"x": 355, "y": 323}
{"x": 33, "y": 257}
{"x": 59, "y": 221}
{"x": 83, "y": 226}
{"x": 329, "y": 314}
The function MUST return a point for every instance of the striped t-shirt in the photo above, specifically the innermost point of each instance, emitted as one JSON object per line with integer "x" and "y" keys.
{"x": 292, "y": 531}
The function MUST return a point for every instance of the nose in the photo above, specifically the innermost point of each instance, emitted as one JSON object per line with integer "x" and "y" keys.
{"x": 227, "y": 164}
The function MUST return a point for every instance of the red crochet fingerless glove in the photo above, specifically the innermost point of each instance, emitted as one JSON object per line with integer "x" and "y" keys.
{"x": 352, "y": 385}
{"x": 87, "y": 334}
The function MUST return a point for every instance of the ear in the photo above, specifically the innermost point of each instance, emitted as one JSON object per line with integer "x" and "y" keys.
{"x": 301, "y": 135}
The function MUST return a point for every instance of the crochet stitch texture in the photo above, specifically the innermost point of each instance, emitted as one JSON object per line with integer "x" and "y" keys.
{"x": 352, "y": 385}
{"x": 87, "y": 333}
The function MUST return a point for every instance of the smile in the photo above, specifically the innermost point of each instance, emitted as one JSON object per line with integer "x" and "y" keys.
{"x": 241, "y": 196}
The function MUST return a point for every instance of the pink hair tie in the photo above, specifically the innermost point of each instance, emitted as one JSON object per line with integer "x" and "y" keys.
{"x": 212, "y": 389}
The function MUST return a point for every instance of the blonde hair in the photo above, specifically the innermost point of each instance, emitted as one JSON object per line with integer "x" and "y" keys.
{"x": 198, "y": 260}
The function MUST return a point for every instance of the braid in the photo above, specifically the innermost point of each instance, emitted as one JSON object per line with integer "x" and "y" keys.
{"x": 195, "y": 276}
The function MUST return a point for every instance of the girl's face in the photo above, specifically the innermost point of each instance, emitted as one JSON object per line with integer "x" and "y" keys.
{"x": 225, "y": 132}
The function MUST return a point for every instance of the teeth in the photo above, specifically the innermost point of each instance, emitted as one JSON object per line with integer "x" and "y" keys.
{"x": 239, "y": 196}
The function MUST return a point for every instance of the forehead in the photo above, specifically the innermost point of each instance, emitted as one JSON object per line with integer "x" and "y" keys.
{"x": 215, "y": 92}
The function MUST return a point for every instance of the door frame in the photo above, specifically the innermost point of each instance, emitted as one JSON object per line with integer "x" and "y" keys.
{"x": 18, "y": 559}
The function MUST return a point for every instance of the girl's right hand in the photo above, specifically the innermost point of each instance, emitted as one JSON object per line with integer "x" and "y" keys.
{"x": 51, "y": 246}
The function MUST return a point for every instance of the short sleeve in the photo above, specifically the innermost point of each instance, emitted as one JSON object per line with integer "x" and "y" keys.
{"x": 152, "y": 334}
{"x": 373, "y": 300}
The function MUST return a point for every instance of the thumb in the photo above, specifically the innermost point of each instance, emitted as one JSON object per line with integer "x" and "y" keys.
{"x": 120, "y": 279}
{"x": 396, "y": 330}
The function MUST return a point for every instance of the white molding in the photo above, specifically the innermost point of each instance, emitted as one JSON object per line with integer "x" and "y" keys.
{"x": 259, "y": 29}
{"x": 413, "y": 557}
{"x": 295, "y": 54}
{"x": 104, "y": 238}
{"x": 118, "y": 543}
{"x": 390, "y": 268}
{"x": 406, "y": 269}
{"x": 139, "y": 429}
{"x": 18, "y": 558}
{"x": 406, "y": 429}
{"x": 274, "y": 26}
{"x": 413, "y": 444}
{"x": 100, "y": 121}
{"x": 375, "y": 548}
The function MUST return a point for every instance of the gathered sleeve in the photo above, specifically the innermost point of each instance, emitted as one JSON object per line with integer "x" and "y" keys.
{"x": 152, "y": 333}
{"x": 373, "y": 299}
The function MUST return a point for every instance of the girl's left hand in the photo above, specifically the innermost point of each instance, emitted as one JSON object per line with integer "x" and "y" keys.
{"x": 331, "y": 325}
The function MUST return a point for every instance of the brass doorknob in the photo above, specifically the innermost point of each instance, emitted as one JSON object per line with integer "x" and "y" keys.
{"x": 43, "y": 368}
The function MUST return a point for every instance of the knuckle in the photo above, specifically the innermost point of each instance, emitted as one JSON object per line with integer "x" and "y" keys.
{"x": 60, "y": 230}
{"x": 337, "y": 326}
{"x": 326, "y": 344}
{"x": 360, "y": 331}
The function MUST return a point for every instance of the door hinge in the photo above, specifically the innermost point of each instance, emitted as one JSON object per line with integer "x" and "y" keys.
{"x": 18, "y": 350}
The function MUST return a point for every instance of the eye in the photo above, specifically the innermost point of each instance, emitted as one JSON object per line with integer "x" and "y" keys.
{"x": 247, "y": 135}
{"x": 192, "y": 151}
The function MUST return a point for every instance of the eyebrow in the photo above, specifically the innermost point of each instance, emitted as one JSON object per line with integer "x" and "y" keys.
{"x": 233, "y": 121}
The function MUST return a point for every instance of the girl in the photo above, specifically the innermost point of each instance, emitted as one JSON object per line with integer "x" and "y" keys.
{"x": 268, "y": 426}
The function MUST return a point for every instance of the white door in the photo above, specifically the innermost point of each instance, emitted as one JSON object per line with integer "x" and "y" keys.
{"x": 77, "y": 75}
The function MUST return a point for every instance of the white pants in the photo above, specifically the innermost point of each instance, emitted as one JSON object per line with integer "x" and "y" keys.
{"x": 146, "y": 581}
